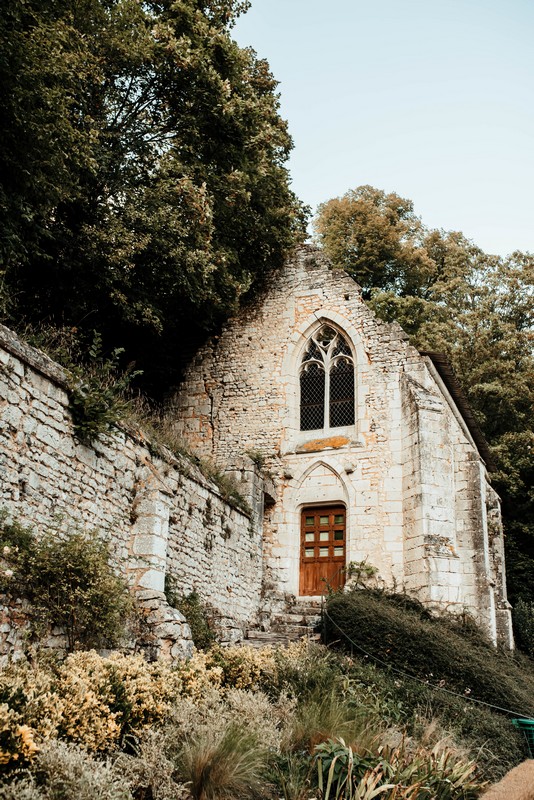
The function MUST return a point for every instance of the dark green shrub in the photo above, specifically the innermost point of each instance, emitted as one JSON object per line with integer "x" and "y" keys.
{"x": 69, "y": 582}
{"x": 402, "y": 703}
{"x": 429, "y": 649}
{"x": 523, "y": 617}
{"x": 195, "y": 612}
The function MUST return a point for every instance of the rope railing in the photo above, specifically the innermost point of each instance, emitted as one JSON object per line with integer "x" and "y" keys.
{"x": 466, "y": 698}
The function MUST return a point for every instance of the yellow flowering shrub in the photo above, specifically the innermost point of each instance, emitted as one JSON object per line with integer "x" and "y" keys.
{"x": 245, "y": 667}
{"x": 94, "y": 701}
{"x": 105, "y": 697}
{"x": 30, "y": 711}
{"x": 90, "y": 713}
{"x": 198, "y": 676}
{"x": 17, "y": 742}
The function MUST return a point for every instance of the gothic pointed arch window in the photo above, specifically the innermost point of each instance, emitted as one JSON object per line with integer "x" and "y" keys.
{"x": 326, "y": 381}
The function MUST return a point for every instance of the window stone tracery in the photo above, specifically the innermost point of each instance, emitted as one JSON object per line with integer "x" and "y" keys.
{"x": 326, "y": 381}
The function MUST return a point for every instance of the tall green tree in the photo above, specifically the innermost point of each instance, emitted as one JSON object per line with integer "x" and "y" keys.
{"x": 451, "y": 297}
{"x": 144, "y": 188}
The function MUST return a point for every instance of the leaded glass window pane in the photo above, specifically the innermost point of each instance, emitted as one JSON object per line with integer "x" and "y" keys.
{"x": 312, "y": 392}
{"x": 326, "y": 382}
{"x": 342, "y": 393}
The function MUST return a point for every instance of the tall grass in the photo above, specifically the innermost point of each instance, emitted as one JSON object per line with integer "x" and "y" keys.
{"x": 227, "y": 765}
{"x": 326, "y": 715}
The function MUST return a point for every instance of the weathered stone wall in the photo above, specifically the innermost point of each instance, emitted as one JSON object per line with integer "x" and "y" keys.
{"x": 403, "y": 471}
{"x": 158, "y": 512}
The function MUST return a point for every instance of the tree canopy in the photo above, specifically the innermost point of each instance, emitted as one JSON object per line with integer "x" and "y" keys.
{"x": 478, "y": 309}
{"x": 144, "y": 190}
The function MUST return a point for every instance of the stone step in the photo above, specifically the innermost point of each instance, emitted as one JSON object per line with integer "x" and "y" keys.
{"x": 297, "y": 619}
{"x": 277, "y": 639}
{"x": 305, "y": 608}
{"x": 293, "y": 628}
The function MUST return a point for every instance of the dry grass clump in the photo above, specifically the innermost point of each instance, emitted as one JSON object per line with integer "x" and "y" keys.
{"x": 325, "y": 716}
{"x": 227, "y": 764}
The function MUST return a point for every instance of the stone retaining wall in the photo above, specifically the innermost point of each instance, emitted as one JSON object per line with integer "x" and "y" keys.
{"x": 157, "y": 511}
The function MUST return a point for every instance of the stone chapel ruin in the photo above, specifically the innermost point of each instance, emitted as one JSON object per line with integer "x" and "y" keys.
{"x": 373, "y": 452}
{"x": 349, "y": 445}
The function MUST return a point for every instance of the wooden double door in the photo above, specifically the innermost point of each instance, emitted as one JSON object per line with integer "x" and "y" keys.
{"x": 323, "y": 548}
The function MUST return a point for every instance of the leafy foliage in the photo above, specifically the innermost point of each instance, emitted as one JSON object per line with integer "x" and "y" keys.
{"x": 429, "y": 650}
{"x": 68, "y": 580}
{"x": 375, "y": 237}
{"x": 395, "y": 773}
{"x": 453, "y": 298}
{"x": 144, "y": 189}
{"x": 165, "y": 726}
{"x": 524, "y": 626}
{"x": 99, "y": 389}
{"x": 194, "y": 611}
{"x": 98, "y": 392}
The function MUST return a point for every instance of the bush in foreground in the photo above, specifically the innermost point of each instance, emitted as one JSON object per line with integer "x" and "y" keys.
{"x": 429, "y": 649}
{"x": 67, "y": 577}
{"x": 240, "y": 722}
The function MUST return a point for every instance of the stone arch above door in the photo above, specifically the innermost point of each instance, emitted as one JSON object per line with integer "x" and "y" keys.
{"x": 321, "y": 482}
{"x": 318, "y": 483}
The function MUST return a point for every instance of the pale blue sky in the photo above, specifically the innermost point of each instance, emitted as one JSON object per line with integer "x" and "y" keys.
{"x": 433, "y": 100}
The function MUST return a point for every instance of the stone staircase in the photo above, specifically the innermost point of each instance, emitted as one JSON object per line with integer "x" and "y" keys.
{"x": 300, "y": 620}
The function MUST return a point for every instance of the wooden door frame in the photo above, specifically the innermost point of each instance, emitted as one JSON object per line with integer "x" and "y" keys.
{"x": 330, "y": 507}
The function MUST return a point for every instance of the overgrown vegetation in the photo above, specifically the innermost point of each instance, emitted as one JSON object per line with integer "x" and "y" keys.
{"x": 66, "y": 577}
{"x": 523, "y": 616}
{"x": 144, "y": 188}
{"x": 194, "y": 610}
{"x": 231, "y": 722}
{"x": 300, "y": 722}
{"x": 449, "y": 654}
{"x": 99, "y": 389}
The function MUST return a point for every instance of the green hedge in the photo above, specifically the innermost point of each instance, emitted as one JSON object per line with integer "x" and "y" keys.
{"x": 430, "y": 649}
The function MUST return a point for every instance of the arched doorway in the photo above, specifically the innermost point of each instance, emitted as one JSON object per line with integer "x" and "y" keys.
{"x": 323, "y": 547}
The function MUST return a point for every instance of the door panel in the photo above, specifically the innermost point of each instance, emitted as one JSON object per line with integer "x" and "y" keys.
{"x": 322, "y": 549}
